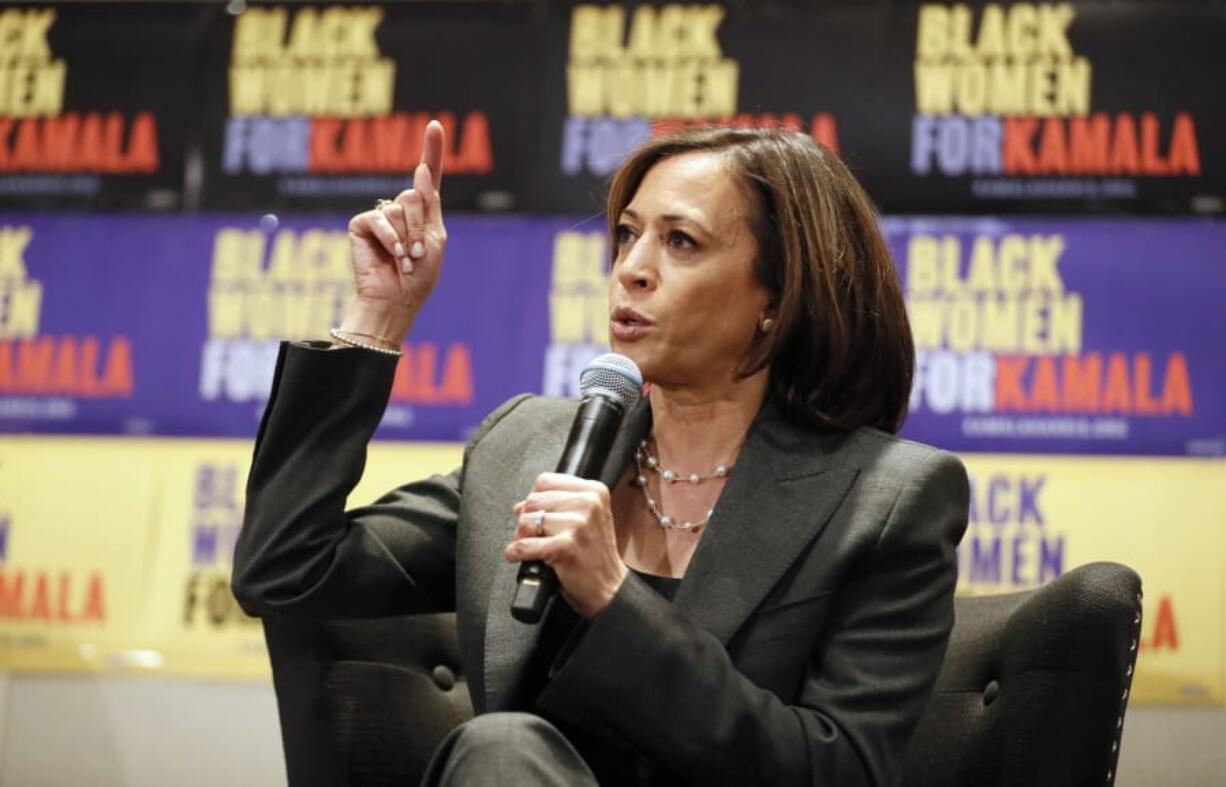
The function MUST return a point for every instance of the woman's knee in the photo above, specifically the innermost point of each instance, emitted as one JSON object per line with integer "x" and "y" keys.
{"x": 498, "y": 729}
{"x": 508, "y": 748}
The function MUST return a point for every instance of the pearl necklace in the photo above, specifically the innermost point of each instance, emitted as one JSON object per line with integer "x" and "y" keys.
{"x": 643, "y": 459}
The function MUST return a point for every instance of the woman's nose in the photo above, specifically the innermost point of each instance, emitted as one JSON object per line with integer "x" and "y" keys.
{"x": 636, "y": 268}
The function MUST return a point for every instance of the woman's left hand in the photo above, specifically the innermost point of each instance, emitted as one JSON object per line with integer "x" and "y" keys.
{"x": 579, "y": 541}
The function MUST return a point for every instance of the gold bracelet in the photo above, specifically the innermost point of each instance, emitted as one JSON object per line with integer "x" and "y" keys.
{"x": 339, "y": 336}
{"x": 377, "y": 338}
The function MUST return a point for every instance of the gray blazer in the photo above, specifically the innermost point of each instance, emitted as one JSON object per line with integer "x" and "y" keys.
{"x": 800, "y": 648}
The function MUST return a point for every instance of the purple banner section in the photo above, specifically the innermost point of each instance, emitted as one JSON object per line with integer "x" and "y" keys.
{"x": 1077, "y": 336}
{"x": 1032, "y": 336}
{"x": 170, "y": 325}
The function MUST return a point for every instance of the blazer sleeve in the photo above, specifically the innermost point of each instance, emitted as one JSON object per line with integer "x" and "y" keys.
{"x": 865, "y": 686}
{"x": 299, "y": 552}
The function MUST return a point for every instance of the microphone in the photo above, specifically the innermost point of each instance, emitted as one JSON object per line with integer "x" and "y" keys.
{"x": 609, "y": 386}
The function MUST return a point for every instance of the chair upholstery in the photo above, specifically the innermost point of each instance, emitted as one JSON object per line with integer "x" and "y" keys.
{"x": 1034, "y": 686}
{"x": 1032, "y": 692}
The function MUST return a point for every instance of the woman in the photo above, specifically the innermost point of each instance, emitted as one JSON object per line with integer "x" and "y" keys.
{"x": 776, "y": 616}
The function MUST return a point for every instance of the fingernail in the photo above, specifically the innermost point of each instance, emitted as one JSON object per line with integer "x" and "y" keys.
{"x": 399, "y": 248}
{"x": 417, "y": 249}
{"x": 406, "y": 265}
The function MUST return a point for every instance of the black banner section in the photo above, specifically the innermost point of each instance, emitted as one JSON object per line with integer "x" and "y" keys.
{"x": 938, "y": 107}
{"x": 324, "y": 106}
{"x": 951, "y": 108}
{"x": 96, "y": 103}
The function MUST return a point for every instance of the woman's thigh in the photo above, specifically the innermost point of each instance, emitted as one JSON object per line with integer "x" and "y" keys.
{"x": 507, "y": 748}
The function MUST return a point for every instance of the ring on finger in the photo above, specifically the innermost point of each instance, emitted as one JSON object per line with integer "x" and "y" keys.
{"x": 540, "y": 524}
{"x": 380, "y": 204}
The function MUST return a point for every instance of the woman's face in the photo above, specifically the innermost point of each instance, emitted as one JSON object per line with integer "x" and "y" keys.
{"x": 683, "y": 300}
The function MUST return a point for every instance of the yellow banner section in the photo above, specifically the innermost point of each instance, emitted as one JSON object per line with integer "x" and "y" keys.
{"x": 194, "y": 621}
{"x": 115, "y": 553}
{"x": 1035, "y": 517}
{"x": 74, "y": 544}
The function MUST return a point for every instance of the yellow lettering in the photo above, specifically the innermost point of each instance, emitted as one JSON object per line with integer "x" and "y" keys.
{"x": 1044, "y": 257}
{"x": 225, "y": 311}
{"x": 932, "y": 34}
{"x": 566, "y": 317}
{"x": 1000, "y": 319}
{"x": 925, "y": 315}
{"x": 595, "y": 32}
{"x": 19, "y": 309}
{"x": 13, "y": 243}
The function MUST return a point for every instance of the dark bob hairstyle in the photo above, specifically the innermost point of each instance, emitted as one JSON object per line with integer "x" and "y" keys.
{"x": 841, "y": 353}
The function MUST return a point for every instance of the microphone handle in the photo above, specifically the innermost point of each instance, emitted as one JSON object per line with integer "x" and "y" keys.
{"x": 587, "y": 447}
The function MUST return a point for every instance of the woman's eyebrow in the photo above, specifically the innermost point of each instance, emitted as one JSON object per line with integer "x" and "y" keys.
{"x": 671, "y": 218}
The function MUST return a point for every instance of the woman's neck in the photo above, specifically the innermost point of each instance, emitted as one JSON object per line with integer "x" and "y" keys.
{"x": 694, "y": 428}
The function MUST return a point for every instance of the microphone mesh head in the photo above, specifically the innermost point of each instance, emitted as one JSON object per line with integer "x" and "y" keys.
{"x": 614, "y": 376}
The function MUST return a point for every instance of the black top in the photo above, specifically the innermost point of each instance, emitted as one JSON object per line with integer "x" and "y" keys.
{"x": 665, "y": 586}
{"x": 614, "y": 761}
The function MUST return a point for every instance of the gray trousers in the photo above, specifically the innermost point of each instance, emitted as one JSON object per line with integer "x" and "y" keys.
{"x": 507, "y": 749}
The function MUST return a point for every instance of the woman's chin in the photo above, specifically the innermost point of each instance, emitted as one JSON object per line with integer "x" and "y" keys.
{"x": 635, "y": 352}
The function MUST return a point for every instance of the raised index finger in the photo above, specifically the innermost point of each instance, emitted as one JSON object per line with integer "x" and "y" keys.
{"x": 432, "y": 153}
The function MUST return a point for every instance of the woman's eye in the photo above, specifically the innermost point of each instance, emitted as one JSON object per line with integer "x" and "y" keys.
{"x": 623, "y": 234}
{"x": 679, "y": 240}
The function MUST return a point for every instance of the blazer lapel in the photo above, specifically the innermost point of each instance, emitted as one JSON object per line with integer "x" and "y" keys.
{"x": 635, "y": 426}
{"x": 509, "y": 643}
{"x": 770, "y": 510}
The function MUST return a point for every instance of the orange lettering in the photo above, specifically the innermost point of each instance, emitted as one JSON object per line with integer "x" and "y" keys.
{"x": 1177, "y": 389}
{"x": 118, "y": 379}
{"x": 1151, "y": 158}
{"x": 457, "y": 385}
{"x": 387, "y": 142}
{"x": 95, "y": 600}
{"x": 25, "y": 147}
{"x": 355, "y": 144}
{"x": 1117, "y": 396}
{"x": 35, "y": 358}
{"x": 324, "y": 132}
{"x": 1124, "y": 147}
{"x": 1010, "y": 394}
{"x": 60, "y": 141}
{"x": 1166, "y": 635}
{"x": 1089, "y": 139}
{"x": 40, "y": 605}
{"x": 1053, "y": 155}
{"x": 1143, "y": 401}
{"x": 1019, "y": 158}
{"x": 476, "y": 154}
{"x": 1185, "y": 154}
{"x": 1044, "y": 391}
{"x": 1082, "y": 379}
{"x": 826, "y": 131}
{"x": 11, "y": 586}
{"x": 143, "y": 145}
{"x": 66, "y": 365}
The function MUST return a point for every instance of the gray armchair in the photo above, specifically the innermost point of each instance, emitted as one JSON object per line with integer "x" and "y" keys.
{"x": 1032, "y": 692}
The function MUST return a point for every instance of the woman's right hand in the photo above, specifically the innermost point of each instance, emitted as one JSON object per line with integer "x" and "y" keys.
{"x": 397, "y": 250}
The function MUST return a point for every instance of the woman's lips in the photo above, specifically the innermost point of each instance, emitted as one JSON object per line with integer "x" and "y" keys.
{"x": 627, "y": 324}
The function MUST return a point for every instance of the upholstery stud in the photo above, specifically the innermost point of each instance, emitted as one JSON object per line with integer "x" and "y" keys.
{"x": 990, "y": 693}
{"x": 443, "y": 677}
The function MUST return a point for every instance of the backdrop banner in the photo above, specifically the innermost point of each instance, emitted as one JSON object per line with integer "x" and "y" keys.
{"x": 143, "y": 584}
{"x": 76, "y": 546}
{"x": 1033, "y": 335}
{"x": 311, "y": 105}
{"x": 946, "y": 108}
{"x": 1066, "y": 336}
{"x": 1033, "y": 518}
{"x": 93, "y": 107}
{"x": 938, "y": 107}
{"x": 193, "y": 622}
